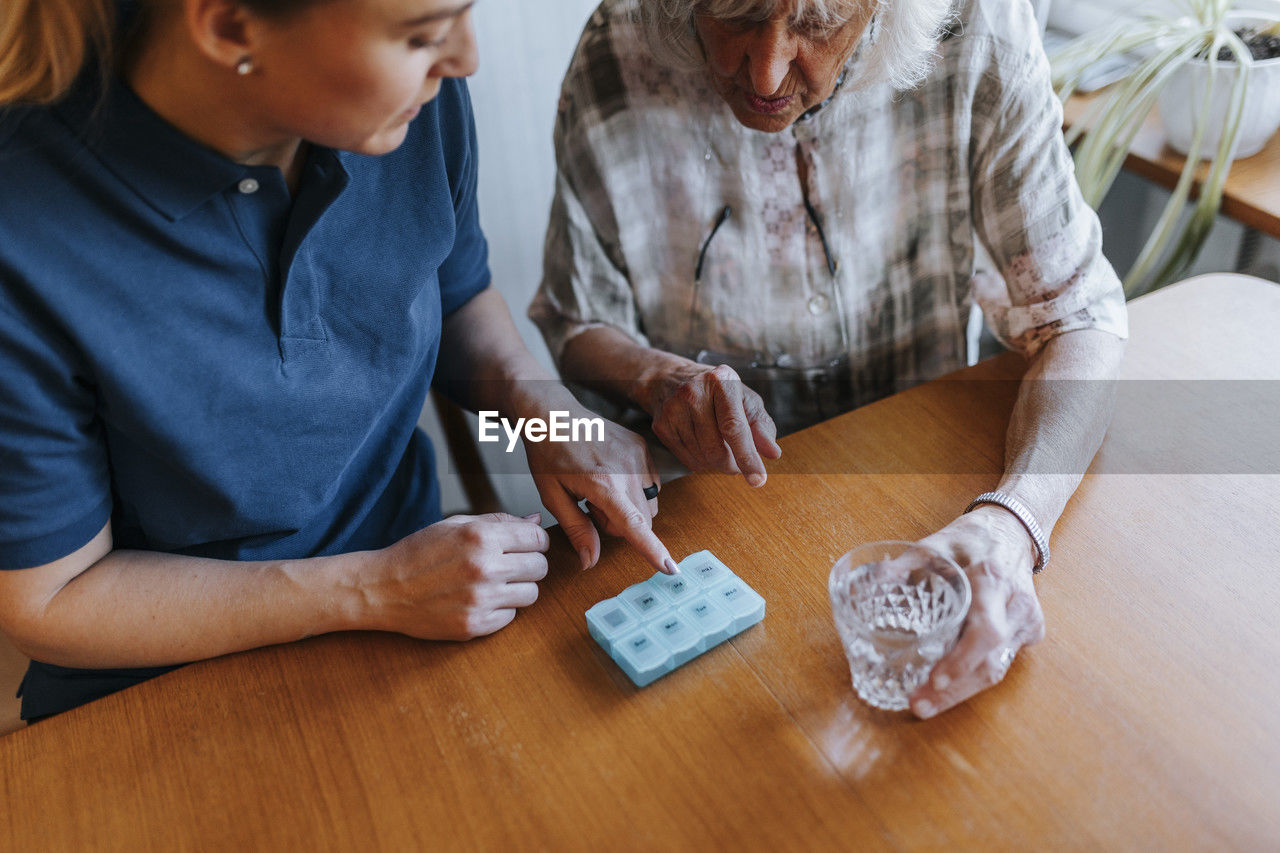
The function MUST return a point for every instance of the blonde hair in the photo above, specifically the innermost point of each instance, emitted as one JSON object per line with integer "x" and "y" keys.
{"x": 902, "y": 38}
{"x": 45, "y": 43}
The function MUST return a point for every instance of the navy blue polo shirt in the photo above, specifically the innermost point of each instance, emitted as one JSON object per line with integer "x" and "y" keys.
{"x": 215, "y": 367}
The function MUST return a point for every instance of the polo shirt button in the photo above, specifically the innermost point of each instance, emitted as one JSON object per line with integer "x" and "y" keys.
{"x": 818, "y": 304}
{"x": 248, "y": 186}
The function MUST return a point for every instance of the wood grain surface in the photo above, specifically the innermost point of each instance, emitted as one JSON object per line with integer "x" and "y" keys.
{"x": 1252, "y": 192}
{"x": 13, "y": 664}
{"x": 1146, "y": 720}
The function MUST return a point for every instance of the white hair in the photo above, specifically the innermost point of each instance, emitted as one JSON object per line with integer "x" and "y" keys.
{"x": 899, "y": 47}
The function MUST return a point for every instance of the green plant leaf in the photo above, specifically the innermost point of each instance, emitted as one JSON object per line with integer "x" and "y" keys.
{"x": 1166, "y": 42}
{"x": 1192, "y": 238}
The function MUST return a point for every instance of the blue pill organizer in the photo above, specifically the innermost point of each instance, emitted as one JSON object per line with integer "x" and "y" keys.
{"x": 662, "y": 623}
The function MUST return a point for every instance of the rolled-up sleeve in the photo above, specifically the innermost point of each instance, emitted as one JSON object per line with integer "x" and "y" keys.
{"x": 1028, "y": 211}
{"x": 584, "y": 277}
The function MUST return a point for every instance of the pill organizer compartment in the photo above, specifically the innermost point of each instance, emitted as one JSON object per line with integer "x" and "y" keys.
{"x": 662, "y": 623}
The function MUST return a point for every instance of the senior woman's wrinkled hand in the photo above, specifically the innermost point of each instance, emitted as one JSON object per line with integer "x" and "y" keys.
{"x": 711, "y": 421}
{"x": 997, "y": 554}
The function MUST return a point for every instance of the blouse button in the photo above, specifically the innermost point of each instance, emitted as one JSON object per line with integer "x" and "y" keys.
{"x": 818, "y": 304}
{"x": 248, "y": 186}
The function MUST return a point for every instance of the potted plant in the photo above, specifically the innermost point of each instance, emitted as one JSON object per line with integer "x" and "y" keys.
{"x": 1216, "y": 74}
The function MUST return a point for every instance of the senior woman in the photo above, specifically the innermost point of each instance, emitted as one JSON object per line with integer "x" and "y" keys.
{"x": 793, "y": 192}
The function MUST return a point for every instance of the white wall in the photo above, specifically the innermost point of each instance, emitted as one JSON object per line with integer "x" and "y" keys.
{"x": 1078, "y": 16}
{"x": 524, "y": 50}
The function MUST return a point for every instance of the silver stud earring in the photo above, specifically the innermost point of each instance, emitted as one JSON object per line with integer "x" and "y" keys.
{"x": 244, "y": 66}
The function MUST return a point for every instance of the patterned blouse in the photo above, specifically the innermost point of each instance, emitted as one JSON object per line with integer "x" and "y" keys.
{"x": 830, "y": 286}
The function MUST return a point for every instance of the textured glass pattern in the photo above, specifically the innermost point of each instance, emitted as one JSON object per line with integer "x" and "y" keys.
{"x": 898, "y": 609}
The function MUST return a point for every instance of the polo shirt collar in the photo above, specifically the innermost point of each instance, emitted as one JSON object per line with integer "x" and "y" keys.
{"x": 166, "y": 168}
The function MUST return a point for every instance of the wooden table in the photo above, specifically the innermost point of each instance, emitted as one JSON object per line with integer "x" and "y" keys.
{"x": 1147, "y": 720}
{"x": 1252, "y": 192}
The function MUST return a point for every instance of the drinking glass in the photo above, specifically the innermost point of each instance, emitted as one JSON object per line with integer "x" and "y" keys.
{"x": 898, "y": 607}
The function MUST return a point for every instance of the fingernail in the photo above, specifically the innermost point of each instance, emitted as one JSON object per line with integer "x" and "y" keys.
{"x": 585, "y": 556}
{"x": 672, "y": 568}
{"x": 534, "y": 516}
{"x": 756, "y": 480}
{"x": 924, "y": 709}
{"x": 940, "y": 681}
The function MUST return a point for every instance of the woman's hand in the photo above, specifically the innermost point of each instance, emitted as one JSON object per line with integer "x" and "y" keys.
{"x": 711, "y": 421}
{"x": 459, "y": 578}
{"x": 996, "y": 553}
{"x": 611, "y": 476}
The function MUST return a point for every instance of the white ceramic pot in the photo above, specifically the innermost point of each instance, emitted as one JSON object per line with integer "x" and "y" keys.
{"x": 1182, "y": 96}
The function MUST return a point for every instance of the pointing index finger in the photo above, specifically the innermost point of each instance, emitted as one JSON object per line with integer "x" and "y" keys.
{"x": 735, "y": 429}
{"x": 630, "y": 520}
